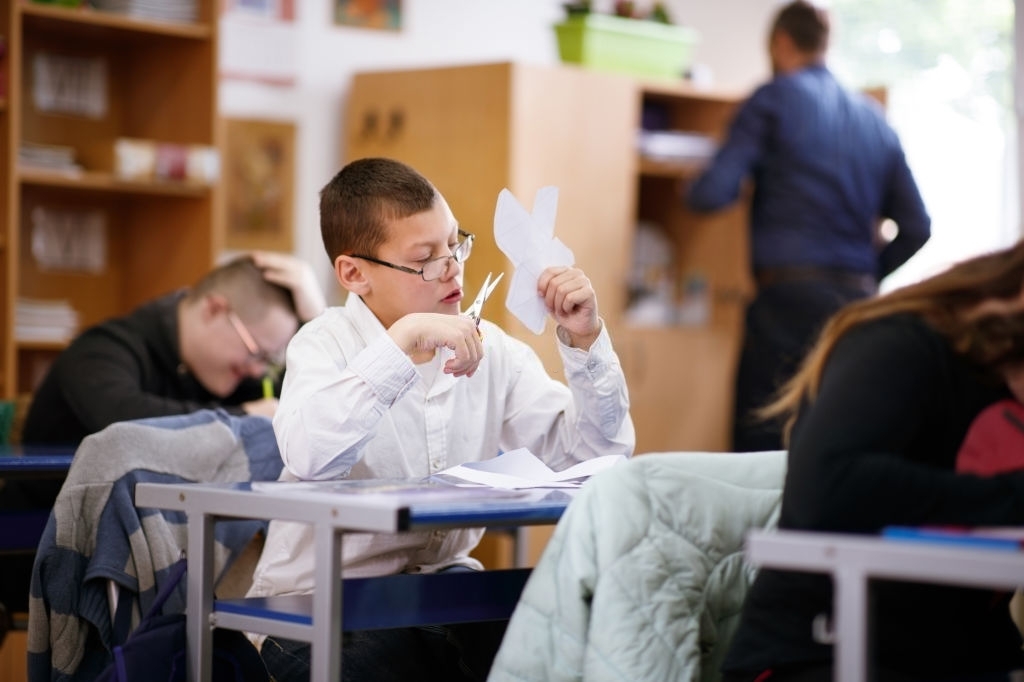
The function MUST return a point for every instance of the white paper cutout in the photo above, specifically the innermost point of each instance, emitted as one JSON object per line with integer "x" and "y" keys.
{"x": 528, "y": 240}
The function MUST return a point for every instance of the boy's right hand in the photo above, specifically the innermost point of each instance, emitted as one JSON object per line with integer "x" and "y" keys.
{"x": 419, "y": 333}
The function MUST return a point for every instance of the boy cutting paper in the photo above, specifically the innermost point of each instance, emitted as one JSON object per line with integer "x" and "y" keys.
{"x": 398, "y": 384}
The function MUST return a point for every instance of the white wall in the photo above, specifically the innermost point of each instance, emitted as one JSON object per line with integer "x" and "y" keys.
{"x": 434, "y": 33}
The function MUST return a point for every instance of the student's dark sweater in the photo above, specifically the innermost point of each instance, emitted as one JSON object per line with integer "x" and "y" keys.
{"x": 878, "y": 447}
{"x": 126, "y": 368}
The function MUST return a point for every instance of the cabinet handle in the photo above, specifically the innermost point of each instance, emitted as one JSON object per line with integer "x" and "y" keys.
{"x": 369, "y": 128}
{"x": 396, "y": 121}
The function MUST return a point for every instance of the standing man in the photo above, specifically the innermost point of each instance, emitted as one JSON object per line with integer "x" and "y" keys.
{"x": 826, "y": 170}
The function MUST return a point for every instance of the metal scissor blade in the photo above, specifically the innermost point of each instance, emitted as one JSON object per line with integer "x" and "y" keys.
{"x": 475, "y": 309}
{"x": 490, "y": 287}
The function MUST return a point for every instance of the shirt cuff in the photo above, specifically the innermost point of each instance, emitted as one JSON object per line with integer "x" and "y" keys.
{"x": 599, "y": 353}
{"x": 385, "y": 368}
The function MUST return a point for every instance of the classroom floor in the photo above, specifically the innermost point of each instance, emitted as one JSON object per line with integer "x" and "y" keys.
{"x": 13, "y": 652}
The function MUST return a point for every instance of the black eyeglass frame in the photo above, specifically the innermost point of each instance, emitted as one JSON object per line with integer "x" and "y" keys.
{"x": 466, "y": 237}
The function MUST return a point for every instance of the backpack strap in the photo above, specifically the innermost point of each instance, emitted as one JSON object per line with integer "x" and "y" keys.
{"x": 123, "y": 615}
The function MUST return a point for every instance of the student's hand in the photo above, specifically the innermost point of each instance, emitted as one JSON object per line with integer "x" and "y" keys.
{"x": 572, "y": 302}
{"x": 419, "y": 333}
{"x": 264, "y": 407}
{"x": 297, "y": 276}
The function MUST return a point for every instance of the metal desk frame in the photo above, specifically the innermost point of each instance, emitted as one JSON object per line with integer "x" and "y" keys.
{"x": 853, "y": 560}
{"x": 331, "y": 514}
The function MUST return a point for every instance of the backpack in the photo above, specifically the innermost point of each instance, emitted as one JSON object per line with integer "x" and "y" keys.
{"x": 157, "y": 651}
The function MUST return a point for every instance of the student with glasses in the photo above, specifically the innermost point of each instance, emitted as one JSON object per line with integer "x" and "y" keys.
{"x": 202, "y": 347}
{"x": 398, "y": 384}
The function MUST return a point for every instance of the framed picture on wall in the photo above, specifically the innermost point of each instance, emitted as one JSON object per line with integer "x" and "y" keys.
{"x": 378, "y": 14}
{"x": 259, "y": 41}
{"x": 259, "y": 177}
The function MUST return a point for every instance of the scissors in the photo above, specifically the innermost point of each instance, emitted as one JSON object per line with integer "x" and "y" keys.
{"x": 476, "y": 307}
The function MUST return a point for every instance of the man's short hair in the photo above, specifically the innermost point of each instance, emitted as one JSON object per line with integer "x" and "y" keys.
{"x": 358, "y": 202}
{"x": 241, "y": 282}
{"x": 806, "y": 24}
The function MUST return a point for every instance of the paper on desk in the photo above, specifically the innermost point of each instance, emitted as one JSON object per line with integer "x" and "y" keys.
{"x": 528, "y": 240}
{"x": 521, "y": 468}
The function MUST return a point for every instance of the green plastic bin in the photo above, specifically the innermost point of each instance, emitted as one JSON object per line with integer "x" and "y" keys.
{"x": 633, "y": 46}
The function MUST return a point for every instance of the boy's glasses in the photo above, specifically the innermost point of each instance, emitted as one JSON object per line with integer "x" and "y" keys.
{"x": 256, "y": 353}
{"x": 436, "y": 268}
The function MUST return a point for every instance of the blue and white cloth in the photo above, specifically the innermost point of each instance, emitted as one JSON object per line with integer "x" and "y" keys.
{"x": 96, "y": 534}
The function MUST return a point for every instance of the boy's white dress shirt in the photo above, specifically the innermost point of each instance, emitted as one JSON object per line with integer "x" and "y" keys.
{"x": 353, "y": 405}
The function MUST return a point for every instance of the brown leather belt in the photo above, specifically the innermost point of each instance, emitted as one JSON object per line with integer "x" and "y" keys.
{"x": 766, "y": 277}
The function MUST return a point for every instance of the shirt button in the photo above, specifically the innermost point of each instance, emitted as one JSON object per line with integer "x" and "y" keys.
{"x": 435, "y": 465}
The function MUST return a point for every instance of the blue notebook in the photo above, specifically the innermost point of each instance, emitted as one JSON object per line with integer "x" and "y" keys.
{"x": 1008, "y": 539}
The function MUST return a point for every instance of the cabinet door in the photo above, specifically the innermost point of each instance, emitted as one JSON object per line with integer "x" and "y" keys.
{"x": 452, "y": 125}
{"x": 681, "y": 382}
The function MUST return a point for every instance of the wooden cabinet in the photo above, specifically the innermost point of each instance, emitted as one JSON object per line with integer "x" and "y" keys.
{"x": 473, "y": 130}
{"x": 135, "y": 78}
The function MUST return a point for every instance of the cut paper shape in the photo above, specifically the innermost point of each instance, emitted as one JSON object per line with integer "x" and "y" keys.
{"x": 528, "y": 240}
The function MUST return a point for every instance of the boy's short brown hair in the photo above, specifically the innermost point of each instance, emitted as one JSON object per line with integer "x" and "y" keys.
{"x": 806, "y": 24}
{"x": 358, "y": 202}
{"x": 241, "y": 282}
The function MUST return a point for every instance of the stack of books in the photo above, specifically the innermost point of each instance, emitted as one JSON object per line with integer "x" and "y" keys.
{"x": 675, "y": 146}
{"x": 47, "y": 156}
{"x": 39, "y": 320}
{"x": 159, "y": 10}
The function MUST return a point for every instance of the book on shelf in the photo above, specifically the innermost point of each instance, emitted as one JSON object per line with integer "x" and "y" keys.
{"x": 47, "y": 157}
{"x": 44, "y": 320}
{"x": 676, "y": 146}
{"x": 158, "y": 10}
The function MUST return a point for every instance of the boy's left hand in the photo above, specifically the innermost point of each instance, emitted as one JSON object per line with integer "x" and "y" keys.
{"x": 296, "y": 275}
{"x": 572, "y": 302}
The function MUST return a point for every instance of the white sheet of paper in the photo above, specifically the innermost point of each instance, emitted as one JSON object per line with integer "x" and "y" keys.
{"x": 528, "y": 240}
{"x": 520, "y": 468}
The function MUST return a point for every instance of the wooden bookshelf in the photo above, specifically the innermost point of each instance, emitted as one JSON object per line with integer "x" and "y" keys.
{"x": 157, "y": 81}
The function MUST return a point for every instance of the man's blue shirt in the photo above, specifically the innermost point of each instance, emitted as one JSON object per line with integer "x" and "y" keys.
{"x": 826, "y": 169}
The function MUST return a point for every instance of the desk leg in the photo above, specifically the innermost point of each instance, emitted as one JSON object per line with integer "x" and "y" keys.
{"x": 327, "y": 627}
{"x": 851, "y": 613}
{"x": 200, "y": 597}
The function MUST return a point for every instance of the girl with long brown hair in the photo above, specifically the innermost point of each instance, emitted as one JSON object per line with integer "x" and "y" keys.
{"x": 875, "y": 419}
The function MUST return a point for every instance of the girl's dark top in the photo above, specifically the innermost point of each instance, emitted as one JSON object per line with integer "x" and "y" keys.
{"x": 876, "y": 448}
{"x": 126, "y": 368}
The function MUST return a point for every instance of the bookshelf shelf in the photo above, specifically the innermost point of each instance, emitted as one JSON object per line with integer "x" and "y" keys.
{"x": 105, "y": 182}
{"x": 668, "y": 169}
{"x": 41, "y": 345}
{"x": 83, "y": 20}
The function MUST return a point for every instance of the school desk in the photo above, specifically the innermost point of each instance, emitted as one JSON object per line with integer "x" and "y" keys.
{"x": 389, "y": 601}
{"x": 20, "y": 529}
{"x": 854, "y": 560}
